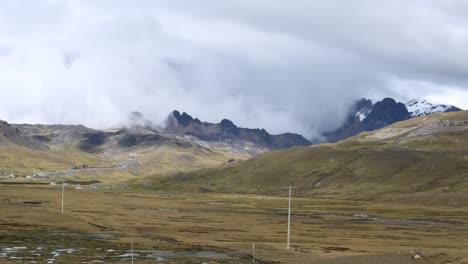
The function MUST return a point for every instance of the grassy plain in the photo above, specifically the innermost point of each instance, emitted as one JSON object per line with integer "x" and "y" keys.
{"x": 323, "y": 230}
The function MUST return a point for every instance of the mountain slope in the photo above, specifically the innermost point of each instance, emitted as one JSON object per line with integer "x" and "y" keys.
{"x": 227, "y": 131}
{"x": 423, "y": 107}
{"x": 22, "y": 154}
{"x": 146, "y": 147}
{"x": 13, "y": 136}
{"x": 366, "y": 116}
{"x": 141, "y": 145}
{"x": 423, "y": 160}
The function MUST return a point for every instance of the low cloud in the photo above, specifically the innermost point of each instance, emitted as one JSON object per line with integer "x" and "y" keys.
{"x": 294, "y": 66}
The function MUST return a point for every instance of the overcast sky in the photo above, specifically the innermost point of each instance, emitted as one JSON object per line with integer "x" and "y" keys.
{"x": 282, "y": 65}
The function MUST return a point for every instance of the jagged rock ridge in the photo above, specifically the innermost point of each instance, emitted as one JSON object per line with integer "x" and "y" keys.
{"x": 227, "y": 131}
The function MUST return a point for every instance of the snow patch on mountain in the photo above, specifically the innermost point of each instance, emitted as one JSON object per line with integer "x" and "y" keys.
{"x": 362, "y": 114}
{"x": 423, "y": 107}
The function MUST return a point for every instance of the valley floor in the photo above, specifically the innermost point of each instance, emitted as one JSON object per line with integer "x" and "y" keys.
{"x": 221, "y": 228}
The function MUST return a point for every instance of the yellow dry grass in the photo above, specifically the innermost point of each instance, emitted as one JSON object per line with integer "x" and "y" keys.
{"x": 232, "y": 222}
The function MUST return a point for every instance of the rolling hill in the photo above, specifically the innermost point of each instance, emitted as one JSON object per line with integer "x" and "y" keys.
{"x": 140, "y": 145}
{"x": 45, "y": 148}
{"x": 21, "y": 154}
{"x": 13, "y": 136}
{"x": 184, "y": 144}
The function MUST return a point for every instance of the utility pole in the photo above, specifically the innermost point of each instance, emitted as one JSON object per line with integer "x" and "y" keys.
{"x": 63, "y": 190}
{"x": 132, "y": 250}
{"x": 289, "y": 215}
{"x": 253, "y": 253}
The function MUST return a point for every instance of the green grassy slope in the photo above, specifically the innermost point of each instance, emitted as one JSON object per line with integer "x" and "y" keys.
{"x": 423, "y": 160}
{"x": 25, "y": 161}
{"x": 163, "y": 160}
{"x": 160, "y": 159}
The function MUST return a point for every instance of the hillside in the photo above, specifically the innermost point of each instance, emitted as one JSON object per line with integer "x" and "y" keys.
{"x": 21, "y": 154}
{"x": 143, "y": 151}
{"x": 12, "y": 136}
{"x": 423, "y": 160}
{"x": 185, "y": 144}
{"x": 365, "y": 115}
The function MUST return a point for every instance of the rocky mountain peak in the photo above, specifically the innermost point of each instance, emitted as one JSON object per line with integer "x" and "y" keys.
{"x": 227, "y": 131}
{"x": 384, "y": 113}
{"x": 184, "y": 119}
{"x": 228, "y": 126}
{"x": 366, "y": 116}
{"x": 423, "y": 107}
{"x": 362, "y": 108}
{"x": 363, "y": 103}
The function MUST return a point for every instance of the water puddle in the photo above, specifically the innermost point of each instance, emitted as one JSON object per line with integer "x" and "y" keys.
{"x": 87, "y": 235}
{"x": 21, "y": 253}
{"x": 60, "y": 250}
{"x": 167, "y": 210}
{"x": 97, "y": 235}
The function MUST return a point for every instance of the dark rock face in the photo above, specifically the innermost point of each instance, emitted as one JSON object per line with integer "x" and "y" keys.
{"x": 363, "y": 104}
{"x": 42, "y": 138}
{"x": 92, "y": 141}
{"x": 227, "y": 131}
{"x": 228, "y": 126}
{"x": 384, "y": 113}
{"x": 183, "y": 119}
{"x": 365, "y": 116}
{"x": 129, "y": 139}
{"x": 453, "y": 109}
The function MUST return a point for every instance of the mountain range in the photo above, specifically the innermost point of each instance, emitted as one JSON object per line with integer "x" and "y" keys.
{"x": 422, "y": 160}
{"x": 227, "y": 131}
{"x": 183, "y": 130}
{"x": 363, "y": 116}
{"x": 184, "y": 143}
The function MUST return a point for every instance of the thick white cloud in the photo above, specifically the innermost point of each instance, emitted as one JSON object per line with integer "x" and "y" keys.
{"x": 285, "y": 66}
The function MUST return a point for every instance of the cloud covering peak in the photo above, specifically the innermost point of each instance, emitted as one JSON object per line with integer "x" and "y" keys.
{"x": 285, "y": 66}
